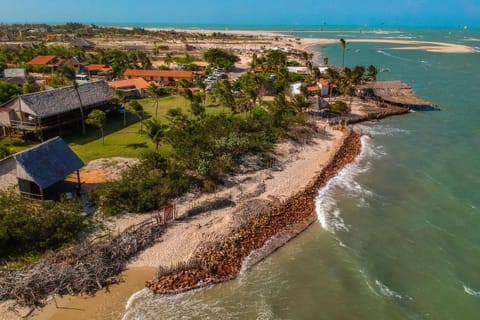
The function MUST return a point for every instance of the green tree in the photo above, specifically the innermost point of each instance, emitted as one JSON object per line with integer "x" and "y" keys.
{"x": 8, "y": 91}
{"x": 137, "y": 108}
{"x": 155, "y": 130}
{"x": 97, "y": 118}
{"x": 4, "y": 151}
{"x": 372, "y": 72}
{"x": 339, "y": 107}
{"x": 220, "y": 58}
{"x": 344, "y": 48}
{"x": 69, "y": 74}
{"x": 152, "y": 91}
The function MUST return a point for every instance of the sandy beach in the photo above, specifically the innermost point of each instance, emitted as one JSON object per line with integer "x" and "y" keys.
{"x": 442, "y": 47}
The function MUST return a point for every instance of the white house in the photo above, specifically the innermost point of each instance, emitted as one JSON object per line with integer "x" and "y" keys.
{"x": 324, "y": 86}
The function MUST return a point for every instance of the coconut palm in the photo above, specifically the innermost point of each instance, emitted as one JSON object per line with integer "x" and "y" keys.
{"x": 69, "y": 74}
{"x": 97, "y": 118}
{"x": 344, "y": 48}
{"x": 152, "y": 91}
{"x": 155, "y": 130}
{"x": 372, "y": 72}
{"x": 137, "y": 108}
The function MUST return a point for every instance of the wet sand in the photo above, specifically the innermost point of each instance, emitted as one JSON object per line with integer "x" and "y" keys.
{"x": 104, "y": 305}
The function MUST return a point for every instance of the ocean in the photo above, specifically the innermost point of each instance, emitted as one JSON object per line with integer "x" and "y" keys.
{"x": 398, "y": 232}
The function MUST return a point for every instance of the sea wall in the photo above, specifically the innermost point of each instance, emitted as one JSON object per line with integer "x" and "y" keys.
{"x": 256, "y": 237}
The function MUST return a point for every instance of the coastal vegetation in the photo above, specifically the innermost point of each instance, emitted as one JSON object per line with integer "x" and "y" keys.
{"x": 30, "y": 228}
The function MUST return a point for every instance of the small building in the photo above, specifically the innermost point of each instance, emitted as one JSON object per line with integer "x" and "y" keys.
{"x": 15, "y": 73}
{"x": 298, "y": 70}
{"x": 324, "y": 86}
{"x": 49, "y": 109}
{"x": 160, "y": 76}
{"x": 53, "y": 62}
{"x": 83, "y": 43}
{"x": 296, "y": 88}
{"x": 42, "y": 169}
{"x": 396, "y": 93}
{"x": 95, "y": 69}
{"x": 132, "y": 87}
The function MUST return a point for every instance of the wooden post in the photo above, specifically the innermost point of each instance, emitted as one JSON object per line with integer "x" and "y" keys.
{"x": 78, "y": 180}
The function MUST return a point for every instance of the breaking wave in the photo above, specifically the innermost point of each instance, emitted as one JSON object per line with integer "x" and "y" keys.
{"x": 329, "y": 215}
{"x": 387, "y": 292}
{"x": 471, "y": 292}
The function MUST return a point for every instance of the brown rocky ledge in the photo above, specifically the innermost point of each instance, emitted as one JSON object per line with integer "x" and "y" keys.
{"x": 279, "y": 222}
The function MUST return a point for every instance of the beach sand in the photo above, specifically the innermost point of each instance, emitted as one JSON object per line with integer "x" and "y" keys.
{"x": 300, "y": 164}
{"x": 443, "y": 47}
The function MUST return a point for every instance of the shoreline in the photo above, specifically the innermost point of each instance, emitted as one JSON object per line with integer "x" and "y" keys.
{"x": 158, "y": 256}
{"x": 223, "y": 261}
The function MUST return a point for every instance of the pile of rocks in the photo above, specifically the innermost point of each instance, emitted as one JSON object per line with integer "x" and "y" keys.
{"x": 222, "y": 260}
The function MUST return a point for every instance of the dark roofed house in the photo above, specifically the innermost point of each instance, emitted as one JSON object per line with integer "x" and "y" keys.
{"x": 83, "y": 43}
{"x": 41, "y": 170}
{"x": 54, "y": 108}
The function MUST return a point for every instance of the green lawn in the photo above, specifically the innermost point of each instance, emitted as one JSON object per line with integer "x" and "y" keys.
{"x": 120, "y": 140}
{"x": 126, "y": 141}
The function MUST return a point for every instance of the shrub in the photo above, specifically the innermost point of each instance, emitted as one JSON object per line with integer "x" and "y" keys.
{"x": 30, "y": 227}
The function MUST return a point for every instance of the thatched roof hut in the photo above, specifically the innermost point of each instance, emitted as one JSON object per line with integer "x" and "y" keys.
{"x": 45, "y": 165}
{"x": 83, "y": 43}
{"x": 395, "y": 92}
{"x": 51, "y": 102}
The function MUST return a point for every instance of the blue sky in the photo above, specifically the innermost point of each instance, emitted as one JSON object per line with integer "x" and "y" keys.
{"x": 436, "y": 13}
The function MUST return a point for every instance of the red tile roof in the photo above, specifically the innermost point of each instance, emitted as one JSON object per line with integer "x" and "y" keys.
{"x": 323, "y": 82}
{"x": 98, "y": 67}
{"x": 313, "y": 88}
{"x": 159, "y": 73}
{"x": 138, "y": 83}
{"x": 41, "y": 60}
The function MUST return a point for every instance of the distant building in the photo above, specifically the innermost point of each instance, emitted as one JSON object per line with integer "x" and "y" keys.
{"x": 133, "y": 87}
{"x": 15, "y": 76}
{"x": 298, "y": 70}
{"x": 41, "y": 170}
{"x": 53, "y": 108}
{"x": 83, "y": 43}
{"x": 49, "y": 61}
{"x": 160, "y": 76}
{"x": 95, "y": 69}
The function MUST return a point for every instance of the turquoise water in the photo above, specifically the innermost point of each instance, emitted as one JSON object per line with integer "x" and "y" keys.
{"x": 399, "y": 230}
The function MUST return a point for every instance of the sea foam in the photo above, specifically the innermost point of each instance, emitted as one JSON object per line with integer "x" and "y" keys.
{"x": 329, "y": 215}
{"x": 471, "y": 292}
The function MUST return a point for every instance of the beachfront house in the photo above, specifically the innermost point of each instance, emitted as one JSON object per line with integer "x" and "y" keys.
{"x": 166, "y": 77}
{"x": 56, "y": 108}
{"x": 41, "y": 170}
{"x": 324, "y": 86}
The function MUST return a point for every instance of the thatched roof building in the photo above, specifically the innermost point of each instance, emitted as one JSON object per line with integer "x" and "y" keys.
{"x": 54, "y": 108}
{"x": 394, "y": 92}
{"x": 83, "y": 43}
{"x": 41, "y": 170}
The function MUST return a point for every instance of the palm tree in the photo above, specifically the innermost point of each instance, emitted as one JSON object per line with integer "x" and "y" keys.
{"x": 138, "y": 110}
{"x": 300, "y": 103}
{"x": 372, "y": 72}
{"x": 155, "y": 130}
{"x": 344, "y": 47}
{"x": 97, "y": 118}
{"x": 69, "y": 74}
{"x": 152, "y": 91}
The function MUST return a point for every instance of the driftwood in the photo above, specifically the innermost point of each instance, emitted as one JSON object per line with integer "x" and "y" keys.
{"x": 83, "y": 269}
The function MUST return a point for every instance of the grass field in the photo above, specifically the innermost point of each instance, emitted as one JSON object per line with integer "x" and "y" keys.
{"x": 120, "y": 140}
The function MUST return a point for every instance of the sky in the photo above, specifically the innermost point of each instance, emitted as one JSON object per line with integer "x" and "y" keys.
{"x": 394, "y": 13}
